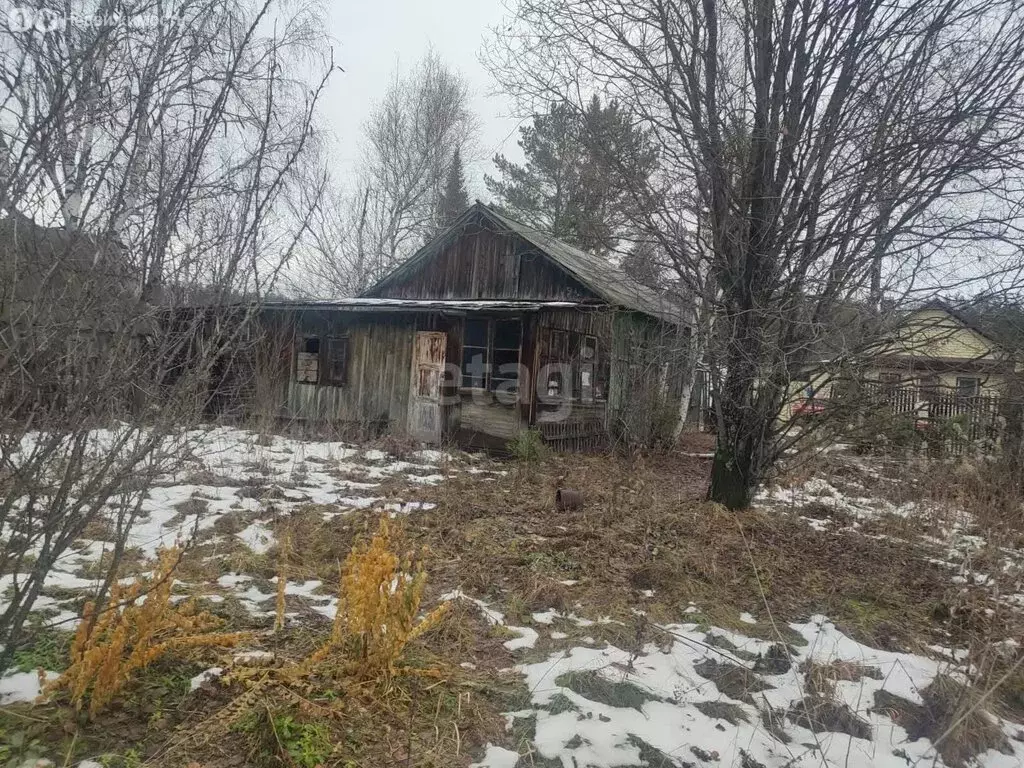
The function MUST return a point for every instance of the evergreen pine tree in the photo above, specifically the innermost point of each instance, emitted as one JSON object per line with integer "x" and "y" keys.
{"x": 580, "y": 176}
{"x": 454, "y": 199}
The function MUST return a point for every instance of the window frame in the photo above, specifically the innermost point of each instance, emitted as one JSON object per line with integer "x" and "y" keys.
{"x": 301, "y": 355}
{"x": 977, "y": 386}
{"x": 323, "y": 357}
{"x": 491, "y": 382}
{"x": 327, "y": 361}
{"x": 566, "y": 348}
{"x": 492, "y": 374}
{"x": 929, "y": 388}
{"x": 486, "y": 353}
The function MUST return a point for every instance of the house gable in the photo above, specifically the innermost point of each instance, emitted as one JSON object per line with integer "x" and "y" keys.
{"x": 935, "y": 333}
{"x": 478, "y": 258}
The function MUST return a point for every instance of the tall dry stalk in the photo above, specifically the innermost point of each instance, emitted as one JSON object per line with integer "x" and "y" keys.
{"x": 378, "y": 605}
{"x": 138, "y": 625}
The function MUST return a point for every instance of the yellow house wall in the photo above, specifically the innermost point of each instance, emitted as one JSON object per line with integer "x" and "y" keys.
{"x": 931, "y": 333}
{"x": 990, "y": 383}
{"x": 926, "y": 334}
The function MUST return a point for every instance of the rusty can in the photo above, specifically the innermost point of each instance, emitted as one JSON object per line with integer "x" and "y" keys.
{"x": 567, "y": 498}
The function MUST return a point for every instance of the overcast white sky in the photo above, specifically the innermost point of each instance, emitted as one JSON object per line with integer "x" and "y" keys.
{"x": 373, "y": 37}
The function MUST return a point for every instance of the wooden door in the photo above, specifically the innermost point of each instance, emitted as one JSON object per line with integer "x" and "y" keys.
{"x": 427, "y": 377}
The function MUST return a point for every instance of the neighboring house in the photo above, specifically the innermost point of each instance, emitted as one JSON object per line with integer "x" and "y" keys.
{"x": 490, "y": 329}
{"x": 940, "y": 352}
{"x": 64, "y": 297}
{"x": 927, "y": 355}
{"x": 54, "y": 271}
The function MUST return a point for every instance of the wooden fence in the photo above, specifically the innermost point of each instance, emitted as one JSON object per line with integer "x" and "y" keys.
{"x": 959, "y": 422}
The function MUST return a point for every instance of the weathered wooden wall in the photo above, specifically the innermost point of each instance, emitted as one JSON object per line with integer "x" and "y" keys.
{"x": 648, "y": 364}
{"x": 583, "y": 425}
{"x": 484, "y": 264}
{"x": 379, "y": 369}
{"x": 485, "y": 421}
{"x": 638, "y": 400}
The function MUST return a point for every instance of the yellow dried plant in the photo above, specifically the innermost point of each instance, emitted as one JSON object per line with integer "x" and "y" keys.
{"x": 379, "y": 600}
{"x": 139, "y": 624}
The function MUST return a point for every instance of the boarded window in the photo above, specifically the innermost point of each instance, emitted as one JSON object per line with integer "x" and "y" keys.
{"x": 322, "y": 361}
{"x": 336, "y": 361}
{"x": 585, "y": 381}
{"x": 307, "y": 360}
{"x": 579, "y": 356}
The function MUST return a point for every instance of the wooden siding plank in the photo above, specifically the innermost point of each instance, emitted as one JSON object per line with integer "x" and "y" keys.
{"x": 483, "y": 264}
{"x": 378, "y": 375}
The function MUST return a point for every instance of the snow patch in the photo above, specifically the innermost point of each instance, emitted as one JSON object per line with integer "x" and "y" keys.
{"x": 257, "y": 537}
{"x": 204, "y": 677}
{"x": 22, "y": 686}
{"x": 665, "y": 710}
{"x": 497, "y": 757}
{"x": 526, "y": 638}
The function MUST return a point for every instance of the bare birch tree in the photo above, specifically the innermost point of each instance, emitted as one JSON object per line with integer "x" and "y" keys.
{"x": 142, "y": 157}
{"x": 833, "y": 150}
{"x": 392, "y": 207}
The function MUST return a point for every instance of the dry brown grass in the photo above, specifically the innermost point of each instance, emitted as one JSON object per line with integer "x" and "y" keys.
{"x": 952, "y": 717}
{"x": 382, "y": 689}
{"x": 645, "y": 526}
{"x": 976, "y": 505}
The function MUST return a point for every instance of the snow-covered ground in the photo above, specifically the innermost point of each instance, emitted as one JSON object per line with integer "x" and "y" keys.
{"x": 700, "y": 695}
{"x": 258, "y": 479}
{"x": 605, "y": 707}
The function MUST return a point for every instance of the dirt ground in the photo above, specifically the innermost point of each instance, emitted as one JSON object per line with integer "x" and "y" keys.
{"x": 644, "y": 550}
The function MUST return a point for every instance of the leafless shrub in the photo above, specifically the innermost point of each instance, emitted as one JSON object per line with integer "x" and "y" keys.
{"x": 356, "y": 235}
{"x": 141, "y": 168}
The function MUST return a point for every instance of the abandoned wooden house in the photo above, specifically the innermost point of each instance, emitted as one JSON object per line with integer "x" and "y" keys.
{"x": 490, "y": 329}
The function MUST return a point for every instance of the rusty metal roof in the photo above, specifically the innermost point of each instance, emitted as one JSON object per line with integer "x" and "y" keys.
{"x": 370, "y": 304}
{"x": 595, "y": 273}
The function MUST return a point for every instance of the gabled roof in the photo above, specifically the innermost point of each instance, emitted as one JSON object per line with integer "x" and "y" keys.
{"x": 462, "y": 306}
{"x": 858, "y": 329}
{"x": 595, "y": 273}
{"x": 961, "y": 317}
